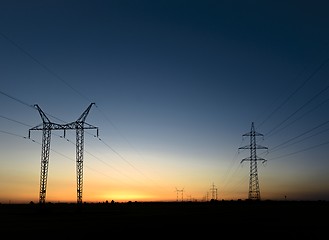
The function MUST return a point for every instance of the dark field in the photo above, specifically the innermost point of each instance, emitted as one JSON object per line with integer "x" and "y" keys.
{"x": 158, "y": 220}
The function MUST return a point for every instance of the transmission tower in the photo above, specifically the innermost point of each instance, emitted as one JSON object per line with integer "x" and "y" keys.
{"x": 213, "y": 192}
{"x": 47, "y": 126}
{"x": 181, "y": 191}
{"x": 254, "y": 192}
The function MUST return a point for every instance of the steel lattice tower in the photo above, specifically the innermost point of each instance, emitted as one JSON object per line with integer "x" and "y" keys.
{"x": 213, "y": 192}
{"x": 180, "y": 190}
{"x": 47, "y": 126}
{"x": 254, "y": 192}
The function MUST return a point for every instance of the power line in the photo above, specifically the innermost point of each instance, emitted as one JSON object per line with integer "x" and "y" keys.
{"x": 44, "y": 66}
{"x": 232, "y": 163}
{"x": 130, "y": 164}
{"x": 117, "y": 129}
{"x": 300, "y": 117}
{"x": 10, "y": 119}
{"x": 295, "y": 91}
{"x": 300, "y": 108}
{"x": 301, "y": 140}
{"x": 55, "y": 151}
{"x": 302, "y": 150}
{"x": 300, "y": 135}
{"x": 26, "y": 104}
{"x": 13, "y": 134}
{"x": 17, "y": 100}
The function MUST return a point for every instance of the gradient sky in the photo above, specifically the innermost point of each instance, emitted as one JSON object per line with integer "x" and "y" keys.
{"x": 175, "y": 84}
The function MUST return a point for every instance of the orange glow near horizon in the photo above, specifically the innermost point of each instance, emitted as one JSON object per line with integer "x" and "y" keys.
{"x": 69, "y": 196}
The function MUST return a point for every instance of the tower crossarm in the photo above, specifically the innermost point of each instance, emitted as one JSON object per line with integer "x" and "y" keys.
{"x": 43, "y": 116}
{"x": 250, "y": 147}
{"x": 78, "y": 125}
{"x": 261, "y": 147}
{"x": 46, "y": 123}
{"x": 253, "y": 134}
{"x": 256, "y": 159}
{"x": 74, "y": 125}
{"x": 49, "y": 126}
{"x": 83, "y": 116}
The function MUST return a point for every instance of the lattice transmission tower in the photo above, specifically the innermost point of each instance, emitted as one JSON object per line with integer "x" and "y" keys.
{"x": 213, "y": 190}
{"x": 182, "y": 193}
{"x": 254, "y": 191}
{"x": 47, "y": 126}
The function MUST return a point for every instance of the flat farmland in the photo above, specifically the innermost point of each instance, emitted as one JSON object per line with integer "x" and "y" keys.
{"x": 169, "y": 220}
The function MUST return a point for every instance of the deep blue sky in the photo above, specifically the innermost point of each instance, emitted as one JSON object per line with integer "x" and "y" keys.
{"x": 176, "y": 85}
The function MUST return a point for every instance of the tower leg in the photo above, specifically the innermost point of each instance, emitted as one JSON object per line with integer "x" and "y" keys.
{"x": 254, "y": 191}
{"x": 46, "y": 135}
{"x": 79, "y": 161}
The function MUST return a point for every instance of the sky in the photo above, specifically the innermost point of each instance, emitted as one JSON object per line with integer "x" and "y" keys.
{"x": 175, "y": 86}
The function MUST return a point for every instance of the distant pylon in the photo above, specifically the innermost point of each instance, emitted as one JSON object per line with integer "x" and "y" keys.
{"x": 46, "y": 127}
{"x": 181, "y": 191}
{"x": 254, "y": 191}
{"x": 213, "y": 192}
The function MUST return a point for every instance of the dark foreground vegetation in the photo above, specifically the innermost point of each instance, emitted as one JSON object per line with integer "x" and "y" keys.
{"x": 168, "y": 220}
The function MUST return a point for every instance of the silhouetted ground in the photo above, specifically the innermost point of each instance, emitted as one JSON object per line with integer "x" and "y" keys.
{"x": 158, "y": 220}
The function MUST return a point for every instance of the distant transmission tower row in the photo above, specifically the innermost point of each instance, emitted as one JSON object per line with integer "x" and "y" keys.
{"x": 254, "y": 191}
{"x": 47, "y": 126}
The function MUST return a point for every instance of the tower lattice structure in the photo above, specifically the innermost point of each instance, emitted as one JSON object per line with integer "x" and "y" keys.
{"x": 213, "y": 190}
{"x": 182, "y": 193}
{"x": 47, "y": 126}
{"x": 254, "y": 191}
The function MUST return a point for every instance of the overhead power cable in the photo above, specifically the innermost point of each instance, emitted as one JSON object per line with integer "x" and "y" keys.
{"x": 26, "y": 104}
{"x": 294, "y": 93}
{"x": 300, "y": 108}
{"x": 300, "y": 135}
{"x": 45, "y": 67}
{"x": 302, "y": 150}
{"x": 63, "y": 155}
{"x": 306, "y": 113}
{"x": 301, "y": 140}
